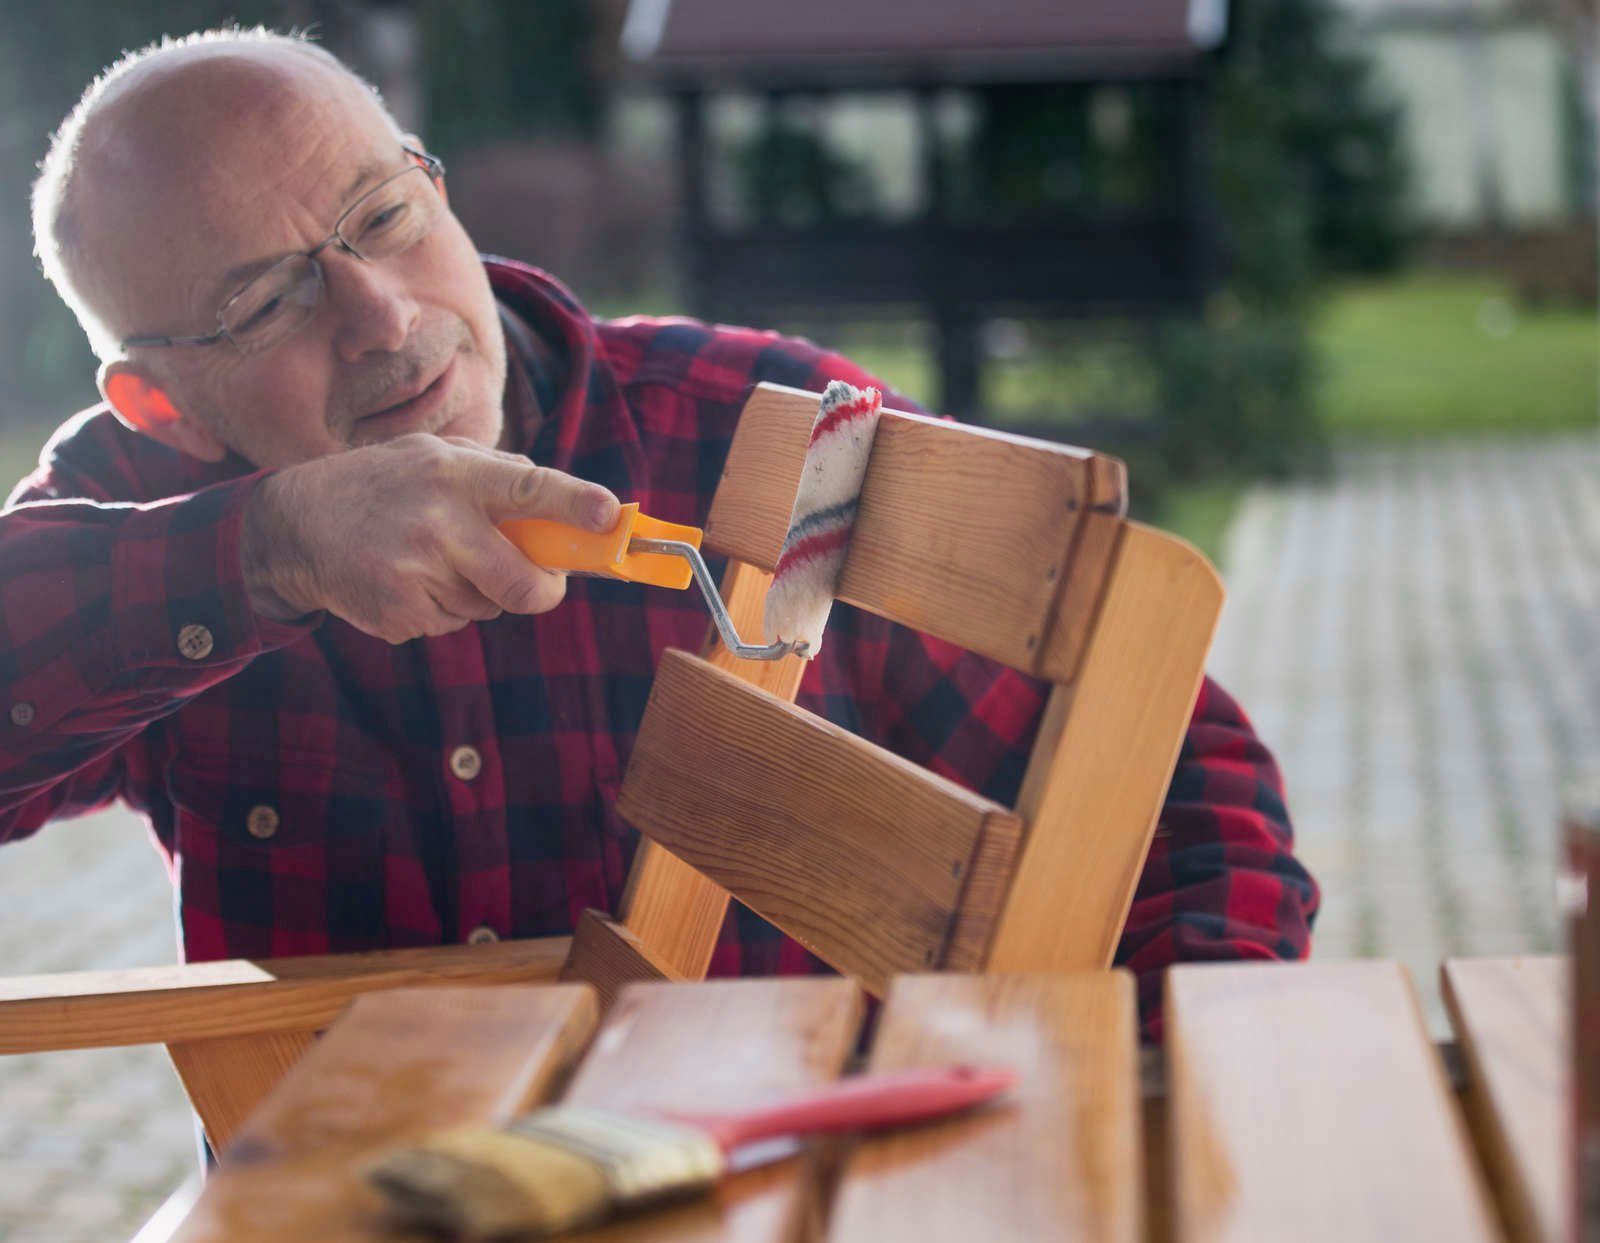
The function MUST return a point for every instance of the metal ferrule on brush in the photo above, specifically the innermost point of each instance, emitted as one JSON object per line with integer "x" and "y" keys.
{"x": 643, "y": 1158}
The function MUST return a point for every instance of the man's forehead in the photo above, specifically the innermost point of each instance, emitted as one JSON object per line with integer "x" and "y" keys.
{"x": 187, "y": 153}
{"x": 207, "y": 104}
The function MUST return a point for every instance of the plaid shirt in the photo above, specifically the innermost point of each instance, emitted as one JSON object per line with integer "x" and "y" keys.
{"x": 317, "y": 790}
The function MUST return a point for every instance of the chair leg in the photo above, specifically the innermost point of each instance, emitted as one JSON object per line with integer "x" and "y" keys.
{"x": 1100, "y": 771}
{"x": 226, "y": 1076}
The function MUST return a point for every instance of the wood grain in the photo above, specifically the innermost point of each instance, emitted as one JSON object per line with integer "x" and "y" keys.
{"x": 1307, "y": 1103}
{"x": 1104, "y": 757}
{"x": 983, "y": 896}
{"x": 1060, "y": 1160}
{"x": 857, "y": 853}
{"x": 669, "y": 906}
{"x": 398, "y": 1065}
{"x": 167, "y": 1005}
{"x": 720, "y": 1045}
{"x": 606, "y": 955}
{"x": 1511, "y": 1017}
{"x": 226, "y": 1077}
{"x": 951, "y": 516}
{"x": 1088, "y": 564}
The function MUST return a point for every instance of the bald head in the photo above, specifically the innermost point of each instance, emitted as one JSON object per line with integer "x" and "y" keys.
{"x": 154, "y": 149}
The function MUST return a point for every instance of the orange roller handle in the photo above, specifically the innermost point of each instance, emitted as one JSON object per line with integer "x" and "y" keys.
{"x": 557, "y": 546}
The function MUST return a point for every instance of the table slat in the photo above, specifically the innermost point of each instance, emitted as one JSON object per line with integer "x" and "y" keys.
{"x": 394, "y": 1066}
{"x": 1059, "y": 1160}
{"x": 1308, "y": 1103}
{"x": 712, "y": 1046}
{"x": 1510, "y": 1015}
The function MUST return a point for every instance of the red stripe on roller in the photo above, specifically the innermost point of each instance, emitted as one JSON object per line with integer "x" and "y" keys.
{"x": 855, "y": 409}
{"x": 811, "y": 548}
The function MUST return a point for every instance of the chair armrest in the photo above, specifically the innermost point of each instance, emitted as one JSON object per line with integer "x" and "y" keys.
{"x": 161, "y": 1005}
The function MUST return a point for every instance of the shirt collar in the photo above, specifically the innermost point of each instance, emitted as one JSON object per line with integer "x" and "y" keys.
{"x": 551, "y": 342}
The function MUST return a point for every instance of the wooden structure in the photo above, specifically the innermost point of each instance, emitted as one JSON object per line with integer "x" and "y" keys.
{"x": 1293, "y": 1101}
{"x": 961, "y": 256}
{"x": 1013, "y": 548}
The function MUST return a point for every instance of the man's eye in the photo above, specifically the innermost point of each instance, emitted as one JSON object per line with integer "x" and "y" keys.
{"x": 383, "y": 221}
{"x": 261, "y": 314}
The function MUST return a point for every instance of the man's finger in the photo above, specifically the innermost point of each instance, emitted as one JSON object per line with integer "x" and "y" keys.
{"x": 461, "y": 599}
{"x": 521, "y": 490}
{"x": 508, "y": 579}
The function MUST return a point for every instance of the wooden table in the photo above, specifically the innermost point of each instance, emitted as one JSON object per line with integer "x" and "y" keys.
{"x": 1293, "y": 1102}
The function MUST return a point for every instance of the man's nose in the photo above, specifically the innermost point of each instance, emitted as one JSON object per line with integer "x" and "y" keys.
{"x": 372, "y": 303}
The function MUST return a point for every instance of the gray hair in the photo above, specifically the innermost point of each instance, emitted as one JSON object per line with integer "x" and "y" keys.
{"x": 57, "y": 230}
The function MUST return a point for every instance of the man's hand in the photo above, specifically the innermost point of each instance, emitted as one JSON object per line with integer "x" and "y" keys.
{"x": 399, "y": 539}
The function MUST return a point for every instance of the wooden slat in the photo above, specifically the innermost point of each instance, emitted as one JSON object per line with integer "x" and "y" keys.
{"x": 1510, "y": 1015}
{"x": 166, "y": 1005}
{"x": 226, "y": 1077}
{"x": 983, "y": 896}
{"x": 668, "y": 905}
{"x": 1088, "y": 564}
{"x": 1060, "y": 1160}
{"x": 1308, "y": 1104}
{"x": 398, "y": 1065}
{"x": 720, "y": 1045}
{"x": 1104, "y": 757}
{"x": 949, "y": 515}
{"x": 857, "y": 853}
{"x": 606, "y": 956}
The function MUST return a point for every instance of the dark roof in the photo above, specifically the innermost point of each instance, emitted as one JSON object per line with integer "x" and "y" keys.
{"x": 825, "y": 42}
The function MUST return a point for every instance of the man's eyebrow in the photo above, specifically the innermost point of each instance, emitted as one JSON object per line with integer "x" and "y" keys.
{"x": 371, "y": 171}
{"x": 230, "y": 281}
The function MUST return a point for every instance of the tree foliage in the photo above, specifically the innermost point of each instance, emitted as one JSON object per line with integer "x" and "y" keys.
{"x": 498, "y": 69}
{"x": 48, "y": 54}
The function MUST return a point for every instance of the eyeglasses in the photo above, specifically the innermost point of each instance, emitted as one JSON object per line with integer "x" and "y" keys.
{"x": 386, "y": 221}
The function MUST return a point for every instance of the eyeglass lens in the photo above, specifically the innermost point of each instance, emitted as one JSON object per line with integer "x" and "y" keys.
{"x": 389, "y": 219}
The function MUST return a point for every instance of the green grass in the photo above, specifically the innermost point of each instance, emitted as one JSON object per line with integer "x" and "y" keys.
{"x": 1435, "y": 353}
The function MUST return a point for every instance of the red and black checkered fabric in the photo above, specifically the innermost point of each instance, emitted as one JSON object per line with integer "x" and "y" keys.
{"x": 115, "y": 545}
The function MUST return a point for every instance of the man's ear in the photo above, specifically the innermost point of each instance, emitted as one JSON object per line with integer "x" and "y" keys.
{"x": 144, "y": 406}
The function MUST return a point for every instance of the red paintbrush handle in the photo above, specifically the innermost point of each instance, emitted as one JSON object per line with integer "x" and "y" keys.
{"x": 859, "y": 1103}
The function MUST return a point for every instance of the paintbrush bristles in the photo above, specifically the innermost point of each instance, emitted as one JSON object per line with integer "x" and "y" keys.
{"x": 555, "y": 1169}
{"x": 486, "y": 1183}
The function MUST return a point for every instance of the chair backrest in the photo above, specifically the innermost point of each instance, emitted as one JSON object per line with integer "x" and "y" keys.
{"x": 1014, "y": 548}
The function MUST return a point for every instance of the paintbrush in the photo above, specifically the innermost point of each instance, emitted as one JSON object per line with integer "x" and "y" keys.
{"x": 568, "y": 1166}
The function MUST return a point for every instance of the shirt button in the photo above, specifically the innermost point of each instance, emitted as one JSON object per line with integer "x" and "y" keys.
{"x": 482, "y": 935}
{"x": 466, "y": 763}
{"x": 194, "y": 641}
{"x": 262, "y": 821}
{"x": 22, "y": 714}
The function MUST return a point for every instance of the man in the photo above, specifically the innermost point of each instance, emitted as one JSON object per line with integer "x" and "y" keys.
{"x": 259, "y": 595}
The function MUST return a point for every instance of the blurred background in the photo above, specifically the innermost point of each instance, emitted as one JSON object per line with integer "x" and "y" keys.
{"x": 1322, "y": 271}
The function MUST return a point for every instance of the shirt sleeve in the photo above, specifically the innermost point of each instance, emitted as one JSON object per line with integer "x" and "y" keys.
{"x": 112, "y": 616}
{"x": 1222, "y": 881}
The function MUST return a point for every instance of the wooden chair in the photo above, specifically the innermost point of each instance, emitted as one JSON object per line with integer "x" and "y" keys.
{"x": 1013, "y": 548}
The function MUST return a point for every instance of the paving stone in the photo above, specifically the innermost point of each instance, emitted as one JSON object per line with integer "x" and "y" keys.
{"x": 67, "y": 1112}
{"x": 1421, "y": 636}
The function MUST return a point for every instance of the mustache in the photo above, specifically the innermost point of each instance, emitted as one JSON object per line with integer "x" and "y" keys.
{"x": 378, "y": 383}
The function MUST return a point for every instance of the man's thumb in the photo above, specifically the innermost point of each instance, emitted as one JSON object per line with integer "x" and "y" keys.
{"x": 517, "y": 490}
